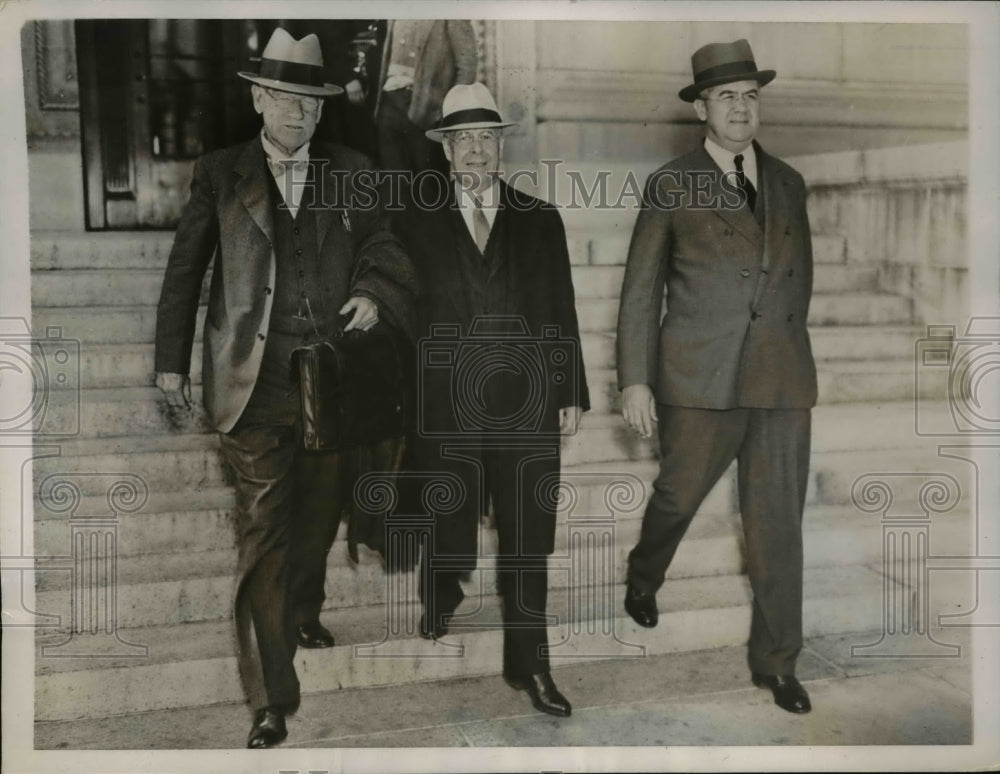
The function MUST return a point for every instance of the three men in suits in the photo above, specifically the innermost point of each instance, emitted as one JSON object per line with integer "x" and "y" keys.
{"x": 421, "y": 60}
{"x": 287, "y": 265}
{"x": 501, "y": 377}
{"x": 728, "y": 371}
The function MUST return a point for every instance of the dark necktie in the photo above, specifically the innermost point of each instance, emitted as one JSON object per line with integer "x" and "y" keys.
{"x": 480, "y": 224}
{"x": 745, "y": 185}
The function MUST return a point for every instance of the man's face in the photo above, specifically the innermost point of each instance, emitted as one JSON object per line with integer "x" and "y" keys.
{"x": 731, "y": 112}
{"x": 289, "y": 119}
{"x": 474, "y": 155}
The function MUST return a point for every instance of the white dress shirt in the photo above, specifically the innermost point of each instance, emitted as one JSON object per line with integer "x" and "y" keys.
{"x": 725, "y": 159}
{"x": 299, "y": 171}
{"x": 467, "y": 203}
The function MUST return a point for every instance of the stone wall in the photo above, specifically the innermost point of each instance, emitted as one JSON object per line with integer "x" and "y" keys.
{"x": 903, "y": 210}
{"x": 608, "y": 90}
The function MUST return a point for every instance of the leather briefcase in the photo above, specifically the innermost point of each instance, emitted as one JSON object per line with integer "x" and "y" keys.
{"x": 354, "y": 389}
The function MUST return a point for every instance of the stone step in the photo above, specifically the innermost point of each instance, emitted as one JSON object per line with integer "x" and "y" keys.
{"x": 99, "y": 287}
{"x": 605, "y": 281}
{"x": 120, "y": 411}
{"x": 589, "y": 245}
{"x": 103, "y": 324}
{"x": 194, "y": 662}
{"x": 879, "y": 343}
{"x": 100, "y": 250}
{"x": 840, "y": 381}
{"x": 835, "y": 427}
{"x": 201, "y": 518}
{"x": 169, "y": 588}
{"x": 601, "y": 314}
{"x": 131, "y": 365}
{"x": 164, "y": 460}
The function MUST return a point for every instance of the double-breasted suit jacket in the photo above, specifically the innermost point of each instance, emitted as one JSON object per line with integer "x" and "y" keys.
{"x": 734, "y": 333}
{"x": 230, "y": 217}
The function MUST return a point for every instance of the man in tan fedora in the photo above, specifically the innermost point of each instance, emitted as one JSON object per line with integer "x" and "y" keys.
{"x": 727, "y": 373}
{"x": 286, "y": 267}
{"x": 498, "y": 392}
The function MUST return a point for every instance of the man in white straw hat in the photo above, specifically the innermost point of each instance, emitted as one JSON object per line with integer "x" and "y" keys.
{"x": 286, "y": 267}
{"x": 728, "y": 372}
{"x": 498, "y": 392}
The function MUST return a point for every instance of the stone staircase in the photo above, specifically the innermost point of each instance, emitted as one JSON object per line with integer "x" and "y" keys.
{"x": 174, "y": 558}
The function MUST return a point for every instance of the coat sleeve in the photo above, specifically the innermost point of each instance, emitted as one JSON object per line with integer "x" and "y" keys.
{"x": 194, "y": 245}
{"x": 642, "y": 293}
{"x": 382, "y": 270}
{"x": 463, "y": 46}
{"x": 575, "y": 392}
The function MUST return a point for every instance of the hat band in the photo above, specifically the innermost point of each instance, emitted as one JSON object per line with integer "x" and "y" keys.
{"x": 291, "y": 72}
{"x": 744, "y": 67}
{"x": 470, "y": 116}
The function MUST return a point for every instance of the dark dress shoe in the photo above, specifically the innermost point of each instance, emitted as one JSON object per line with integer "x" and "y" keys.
{"x": 788, "y": 692}
{"x": 544, "y": 695}
{"x": 314, "y": 635}
{"x": 268, "y": 728}
{"x": 439, "y": 630}
{"x": 641, "y": 606}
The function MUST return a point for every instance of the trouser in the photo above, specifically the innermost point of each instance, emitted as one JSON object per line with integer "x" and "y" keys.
{"x": 771, "y": 447}
{"x": 288, "y": 508}
{"x": 524, "y": 537}
{"x": 402, "y": 145}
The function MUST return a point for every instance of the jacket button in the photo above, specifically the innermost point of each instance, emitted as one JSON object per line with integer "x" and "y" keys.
{"x": 791, "y": 272}
{"x": 728, "y": 232}
{"x": 754, "y": 315}
{"x": 260, "y": 336}
{"x": 267, "y": 291}
{"x": 745, "y": 273}
{"x": 790, "y": 317}
{"x": 298, "y": 252}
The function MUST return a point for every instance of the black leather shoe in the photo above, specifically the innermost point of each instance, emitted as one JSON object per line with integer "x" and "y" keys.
{"x": 641, "y": 606}
{"x": 544, "y": 695}
{"x": 268, "y": 728}
{"x": 439, "y": 630}
{"x": 788, "y": 692}
{"x": 314, "y": 635}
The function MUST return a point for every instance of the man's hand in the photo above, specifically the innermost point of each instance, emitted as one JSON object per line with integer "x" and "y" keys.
{"x": 365, "y": 313}
{"x": 639, "y": 408}
{"x": 177, "y": 388}
{"x": 355, "y": 92}
{"x": 569, "y": 420}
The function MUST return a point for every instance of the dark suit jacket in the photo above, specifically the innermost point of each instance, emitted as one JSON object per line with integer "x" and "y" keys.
{"x": 734, "y": 333}
{"x": 531, "y": 280}
{"x": 447, "y": 56}
{"x": 229, "y": 216}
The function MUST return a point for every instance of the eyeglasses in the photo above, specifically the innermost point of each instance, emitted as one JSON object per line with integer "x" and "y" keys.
{"x": 732, "y": 97}
{"x": 466, "y": 137}
{"x": 285, "y": 101}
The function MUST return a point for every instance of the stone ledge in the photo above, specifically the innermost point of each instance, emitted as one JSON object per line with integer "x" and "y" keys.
{"x": 933, "y": 162}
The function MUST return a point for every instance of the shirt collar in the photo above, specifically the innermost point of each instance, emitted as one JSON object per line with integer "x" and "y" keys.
{"x": 726, "y": 159}
{"x": 275, "y": 154}
{"x": 490, "y": 197}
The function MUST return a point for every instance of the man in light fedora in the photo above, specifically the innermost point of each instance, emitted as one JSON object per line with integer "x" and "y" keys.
{"x": 286, "y": 267}
{"x": 498, "y": 391}
{"x": 727, "y": 373}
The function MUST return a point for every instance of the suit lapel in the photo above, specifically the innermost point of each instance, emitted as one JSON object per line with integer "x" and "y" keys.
{"x": 325, "y": 214}
{"x": 252, "y": 187}
{"x": 776, "y": 206}
{"x": 741, "y": 218}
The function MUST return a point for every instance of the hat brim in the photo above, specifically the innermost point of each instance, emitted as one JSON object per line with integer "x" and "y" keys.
{"x": 326, "y": 90}
{"x": 690, "y": 93}
{"x": 438, "y": 134}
